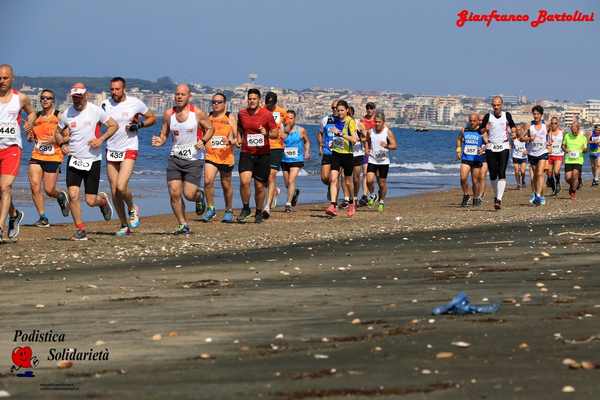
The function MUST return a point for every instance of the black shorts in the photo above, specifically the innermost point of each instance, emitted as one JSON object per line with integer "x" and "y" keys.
{"x": 184, "y": 170}
{"x": 260, "y": 165}
{"x": 49, "y": 167}
{"x": 519, "y": 160}
{"x": 287, "y": 165}
{"x": 472, "y": 164}
{"x": 358, "y": 161}
{"x": 533, "y": 160}
{"x": 326, "y": 160}
{"x": 380, "y": 170}
{"x": 571, "y": 167}
{"x": 91, "y": 178}
{"x": 344, "y": 161}
{"x": 275, "y": 157}
{"x": 223, "y": 168}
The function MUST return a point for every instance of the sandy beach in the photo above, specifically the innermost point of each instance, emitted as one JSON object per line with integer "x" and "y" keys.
{"x": 305, "y": 307}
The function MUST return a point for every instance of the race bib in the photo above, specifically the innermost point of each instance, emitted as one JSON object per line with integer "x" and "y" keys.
{"x": 218, "y": 142}
{"x": 573, "y": 154}
{"x": 81, "y": 163}
{"x": 116, "y": 156}
{"x": 595, "y": 139}
{"x": 291, "y": 152}
{"x": 44, "y": 148}
{"x": 8, "y": 130}
{"x": 556, "y": 148}
{"x": 496, "y": 147}
{"x": 357, "y": 149}
{"x": 337, "y": 142}
{"x": 184, "y": 151}
{"x": 538, "y": 146}
{"x": 471, "y": 150}
{"x": 255, "y": 140}
{"x": 381, "y": 155}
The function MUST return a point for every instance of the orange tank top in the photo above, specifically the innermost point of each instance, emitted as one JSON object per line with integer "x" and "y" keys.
{"x": 279, "y": 115}
{"x": 218, "y": 148}
{"x": 43, "y": 130}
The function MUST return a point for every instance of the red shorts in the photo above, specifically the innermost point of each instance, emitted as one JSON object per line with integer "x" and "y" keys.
{"x": 10, "y": 160}
{"x": 551, "y": 159}
{"x": 129, "y": 155}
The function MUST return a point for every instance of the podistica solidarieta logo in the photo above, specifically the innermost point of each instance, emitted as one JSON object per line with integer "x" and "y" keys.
{"x": 24, "y": 359}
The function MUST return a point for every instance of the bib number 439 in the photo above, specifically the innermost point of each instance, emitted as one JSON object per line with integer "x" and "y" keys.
{"x": 115, "y": 156}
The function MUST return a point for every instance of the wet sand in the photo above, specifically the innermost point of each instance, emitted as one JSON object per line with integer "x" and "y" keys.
{"x": 305, "y": 307}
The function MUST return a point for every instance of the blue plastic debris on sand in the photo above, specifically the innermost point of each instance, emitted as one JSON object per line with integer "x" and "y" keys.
{"x": 461, "y": 305}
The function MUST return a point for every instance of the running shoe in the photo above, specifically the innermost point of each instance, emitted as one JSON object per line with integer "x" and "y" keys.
{"x": 465, "y": 200}
{"x": 182, "y": 229}
{"x": 79, "y": 235}
{"x": 14, "y": 224}
{"x": 265, "y": 214}
{"x": 63, "y": 202}
{"x": 537, "y": 201}
{"x": 532, "y": 198}
{"x": 373, "y": 197}
{"x": 477, "y": 202}
{"x": 124, "y": 231}
{"x": 288, "y": 208}
{"x": 542, "y": 200}
{"x": 497, "y": 204}
{"x": 106, "y": 209}
{"x": 208, "y": 215}
{"x": 227, "y": 217}
{"x": 244, "y": 215}
{"x": 364, "y": 200}
{"x": 295, "y": 197}
{"x": 200, "y": 203}
{"x": 351, "y": 209}
{"x": 331, "y": 210}
{"x": 134, "y": 217}
{"x": 344, "y": 204}
{"x": 595, "y": 182}
{"x": 380, "y": 207}
{"x": 258, "y": 218}
{"x": 42, "y": 222}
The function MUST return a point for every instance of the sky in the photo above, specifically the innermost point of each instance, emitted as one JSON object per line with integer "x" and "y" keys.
{"x": 407, "y": 46}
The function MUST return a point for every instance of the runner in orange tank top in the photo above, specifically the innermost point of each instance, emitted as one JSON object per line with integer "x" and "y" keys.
{"x": 279, "y": 114}
{"x": 46, "y": 158}
{"x": 219, "y": 157}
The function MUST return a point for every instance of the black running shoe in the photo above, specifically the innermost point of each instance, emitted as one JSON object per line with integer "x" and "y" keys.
{"x": 42, "y": 222}
{"x": 364, "y": 200}
{"x": 244, "y": 214}
{"x": 79, "y": 235}
{"x": 497, "y": 204}
{"x": 295, "y": 197}
{"x": 265, "y": 214}
{"x": 106, "y": 209}
{"x": 465, "y": 200}
{"x": 344, "y": 204}
{"x": 14, "y": 224}
{"x": 288, "y": 208}
{"x": 476, "y": 202}
{"x": 258, "y": 218}
{"x": 63, "y": 203}
{"x": 201, "y": 203}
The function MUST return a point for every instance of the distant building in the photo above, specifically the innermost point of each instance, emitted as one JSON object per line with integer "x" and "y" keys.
{"x": 592, "y": 108}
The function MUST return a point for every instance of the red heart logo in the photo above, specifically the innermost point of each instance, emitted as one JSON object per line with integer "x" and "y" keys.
{"x": 21, "y": 356}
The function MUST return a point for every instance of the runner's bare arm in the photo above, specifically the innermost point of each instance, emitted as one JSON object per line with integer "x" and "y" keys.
{"x": 31, "y": 114}
{"x": 306, "y": 143}
{"x": 205, "y": 124}
{"x": 111, "y": 128}
{"x": 233, "y": 135}
{"x": 240, "y": 131}
{"x": 149, "y": 119}
{"x": 320, "y": 142}
{"x": 159, "y": 140}
{"x": 391, "y": 138}
{"x": 353, "y": 135}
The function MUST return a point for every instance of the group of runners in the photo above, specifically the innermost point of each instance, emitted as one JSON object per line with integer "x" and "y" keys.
{"x": 354, "y": 152}
{"x": 486, "y": 144}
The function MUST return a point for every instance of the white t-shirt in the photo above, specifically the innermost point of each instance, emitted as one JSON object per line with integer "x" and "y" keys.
{"x": 82, "y": 126}
{"x": 123, "y": 113}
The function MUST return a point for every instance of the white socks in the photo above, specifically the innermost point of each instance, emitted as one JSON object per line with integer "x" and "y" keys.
{"x": 501, "y": 185}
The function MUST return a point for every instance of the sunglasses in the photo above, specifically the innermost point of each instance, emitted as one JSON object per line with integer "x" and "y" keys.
{"x": 218, "y": 102}
{"x": 46, "y": 98}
